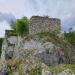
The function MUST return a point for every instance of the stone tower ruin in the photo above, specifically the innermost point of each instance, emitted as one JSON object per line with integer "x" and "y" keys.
{"x": 39, "y": 24}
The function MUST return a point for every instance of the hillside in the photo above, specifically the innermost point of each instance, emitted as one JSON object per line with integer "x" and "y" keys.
{"x": 45, "y": 49}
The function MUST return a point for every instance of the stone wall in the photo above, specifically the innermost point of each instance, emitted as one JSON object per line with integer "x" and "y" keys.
{"x": 39, "y": 24}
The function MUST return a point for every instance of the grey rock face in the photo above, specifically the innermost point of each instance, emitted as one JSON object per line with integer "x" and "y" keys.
{"x": 51, "y": 55}
{"x": 8, "y": 48}
{"x": 32, "y": 52}
{"x": 45, "y": 51}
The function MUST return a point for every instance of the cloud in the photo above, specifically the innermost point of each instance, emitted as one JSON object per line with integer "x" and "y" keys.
{"x": 3, "y": 26}
{"x": 16, "y": 7}
{"x": 6, "y": 17}
{"x": 5, "y": 21}
{"x": 70, "y": 22}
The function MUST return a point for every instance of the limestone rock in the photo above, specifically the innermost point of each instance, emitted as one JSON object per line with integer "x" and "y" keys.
{"x": 46, "y": 73}
{"x": 31, "y": 52}
{"x": 66, "y": 72}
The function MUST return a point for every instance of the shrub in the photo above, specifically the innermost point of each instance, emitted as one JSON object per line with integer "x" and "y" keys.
{"x": 36, "y": 71}
{"x": 22, "y": 27}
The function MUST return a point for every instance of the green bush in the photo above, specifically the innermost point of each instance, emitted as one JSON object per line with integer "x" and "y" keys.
{"x": 22, "y": 27}
{"x": 36, "y": 71}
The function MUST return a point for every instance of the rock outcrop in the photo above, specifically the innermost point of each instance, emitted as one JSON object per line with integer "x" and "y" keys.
{"x": 30, "y": 53}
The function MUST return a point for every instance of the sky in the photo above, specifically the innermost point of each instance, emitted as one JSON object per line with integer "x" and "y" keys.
{"x": 62, "y": 9}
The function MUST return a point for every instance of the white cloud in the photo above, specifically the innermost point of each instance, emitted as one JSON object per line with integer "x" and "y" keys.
{"x": 15, "y": 7}
{"x": 3, "y": 26}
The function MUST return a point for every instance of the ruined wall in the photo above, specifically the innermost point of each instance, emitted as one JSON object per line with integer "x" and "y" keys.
{"x": 39, "y": 24}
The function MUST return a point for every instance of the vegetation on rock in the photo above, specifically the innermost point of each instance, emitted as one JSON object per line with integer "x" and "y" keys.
{"x": 36, "y": 71}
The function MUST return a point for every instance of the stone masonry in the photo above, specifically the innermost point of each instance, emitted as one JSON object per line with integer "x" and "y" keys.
{"x": 39, "y": 24}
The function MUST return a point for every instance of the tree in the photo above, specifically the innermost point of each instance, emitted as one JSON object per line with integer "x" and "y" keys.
{"x": 70, "y": 36}
{"x": 22, "y": 27}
